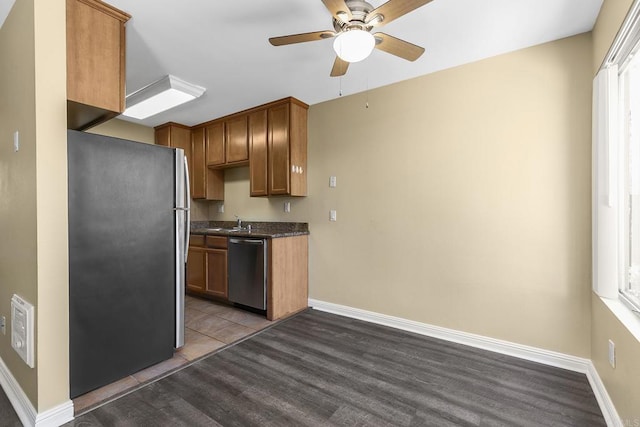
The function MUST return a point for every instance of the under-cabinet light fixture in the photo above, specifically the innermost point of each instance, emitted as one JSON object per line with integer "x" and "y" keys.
{"x": 166, "y": 93}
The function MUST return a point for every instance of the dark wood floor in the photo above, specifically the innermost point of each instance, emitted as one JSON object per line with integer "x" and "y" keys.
{"x": 8, "y": 417}
{"x": 321, "y": 369}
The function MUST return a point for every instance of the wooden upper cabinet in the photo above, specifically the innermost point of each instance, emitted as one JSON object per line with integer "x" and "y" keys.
{"x": 271, "y": 138}
{"x": 278, "y": 139}
{"x": 237, "y": 139}
{"x": 163, "y": 136}
{"x": 286, "y": 154}
{"x": 175, "y": 135}
{"x": 199, "y": 166}
{"x": 95, "y": 62}
{"x": 227, "y": 142}
{"x": 205, "y": 183}
{"x": 208, "y": 184}
{"x": 215, "y": 144}
{"x": 258, "y": 164}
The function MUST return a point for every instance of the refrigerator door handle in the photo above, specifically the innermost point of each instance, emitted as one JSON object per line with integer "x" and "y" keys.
{"x": 187, "y": 226}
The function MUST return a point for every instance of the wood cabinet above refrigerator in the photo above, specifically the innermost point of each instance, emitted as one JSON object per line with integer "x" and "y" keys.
{"x": 95, "y": 62}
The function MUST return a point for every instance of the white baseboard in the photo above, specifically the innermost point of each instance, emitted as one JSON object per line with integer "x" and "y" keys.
{"x": 602, "y": 396}
{"x": 547, "y": 357}
{"x": 53, "y": 417}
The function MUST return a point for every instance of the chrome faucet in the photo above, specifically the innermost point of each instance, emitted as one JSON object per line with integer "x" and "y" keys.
{"x": 239, "y": 221}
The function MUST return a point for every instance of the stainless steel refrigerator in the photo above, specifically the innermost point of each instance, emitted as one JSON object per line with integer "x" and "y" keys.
{"x": 128, "y": 235}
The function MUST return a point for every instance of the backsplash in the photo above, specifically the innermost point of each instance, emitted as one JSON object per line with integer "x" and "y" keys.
{"x": 199, "y": 210}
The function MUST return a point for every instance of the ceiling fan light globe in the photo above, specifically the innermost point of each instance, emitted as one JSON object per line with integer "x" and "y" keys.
{"x": 354, "y": 45}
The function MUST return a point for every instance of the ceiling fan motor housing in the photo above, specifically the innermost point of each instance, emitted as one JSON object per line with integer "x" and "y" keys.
{"x": 359, "y": 11}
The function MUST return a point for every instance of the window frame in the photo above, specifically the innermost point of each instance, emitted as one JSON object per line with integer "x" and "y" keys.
{"x": 623, "y": 131}
{"x": 609, "y": 172}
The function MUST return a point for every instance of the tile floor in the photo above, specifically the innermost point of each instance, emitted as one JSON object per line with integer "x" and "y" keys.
{"x": 210, "y": 326}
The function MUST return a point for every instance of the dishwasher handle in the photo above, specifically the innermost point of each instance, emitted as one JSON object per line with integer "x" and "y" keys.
{"x": 249, "y": 241}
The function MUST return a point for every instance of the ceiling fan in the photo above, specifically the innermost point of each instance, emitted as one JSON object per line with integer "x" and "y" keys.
{"x": 353, "y": 21}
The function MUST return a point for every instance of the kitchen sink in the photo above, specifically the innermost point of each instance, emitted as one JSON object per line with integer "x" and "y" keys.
{"x": 227, "y": 230}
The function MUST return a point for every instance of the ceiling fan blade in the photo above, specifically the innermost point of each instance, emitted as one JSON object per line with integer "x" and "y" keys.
{"x": 338, "y": 9}
{"x": 391, "y": 10}
{"x": 300, "y": 38}
{"x": 339, "y": 67}
{"x": 398, "y": 47}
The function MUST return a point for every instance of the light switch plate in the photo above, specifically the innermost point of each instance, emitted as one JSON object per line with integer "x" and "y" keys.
{"x": 16, "y": 141}
{"x": 333, "y": 215}
{"x": 3, "y": 325}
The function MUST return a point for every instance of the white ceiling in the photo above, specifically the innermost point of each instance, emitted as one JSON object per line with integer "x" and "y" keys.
{"x": 222, "y": 45}
{"x": 5, "y": 8}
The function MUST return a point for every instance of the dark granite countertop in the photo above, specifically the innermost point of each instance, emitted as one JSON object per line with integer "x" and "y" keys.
{"x": 268, "y": 230}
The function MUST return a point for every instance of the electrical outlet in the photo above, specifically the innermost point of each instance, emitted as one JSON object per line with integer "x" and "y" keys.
{"x": 333, "y": 215}
{"x": 332, "y": 182}
{"x": 287, "y": 206}
{"x": 3, "y": 325}
{"x": 612, "y": 354}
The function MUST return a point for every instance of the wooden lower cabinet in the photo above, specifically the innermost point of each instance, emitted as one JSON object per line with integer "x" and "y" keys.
{"x": 217, "y": 283}
{"x": 207, "y": 267}
{"x": 288, "y": 276}
{"x": 196, "y": 270}
{"x": 287, "y": 272}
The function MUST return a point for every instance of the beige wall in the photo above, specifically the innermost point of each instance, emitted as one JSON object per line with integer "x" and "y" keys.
{"x": 18, "y": 246}
{"x": 621, "y": 382}
{"x": 52, "y": 220}
{"x": 125, "y": 130}
{"x": 33, "y": 192}
{"x": 463, "y": 198}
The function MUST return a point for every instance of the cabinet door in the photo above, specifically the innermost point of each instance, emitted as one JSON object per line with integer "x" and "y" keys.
{"x": 237, "y": 140}
{"x": 258, "y": 166}
{"x": 181, "y": 138}
{"x": 163, "y": 136}
{"x": 96, "y": 54}
{"x": 196, "y": 269}
{"x": 215, "y": 144}
{"x": 217, "y": 273}
{"x": 278, "y": 135}
{"x": 199, "y": 168}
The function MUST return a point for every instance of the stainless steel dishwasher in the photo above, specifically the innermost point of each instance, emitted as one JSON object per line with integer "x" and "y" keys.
{"x": 248, "y": 272}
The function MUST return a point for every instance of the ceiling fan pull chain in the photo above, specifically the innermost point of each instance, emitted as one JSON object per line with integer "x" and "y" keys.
{"x": 366, "y": 104}
{"x": 340, "y": 89}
